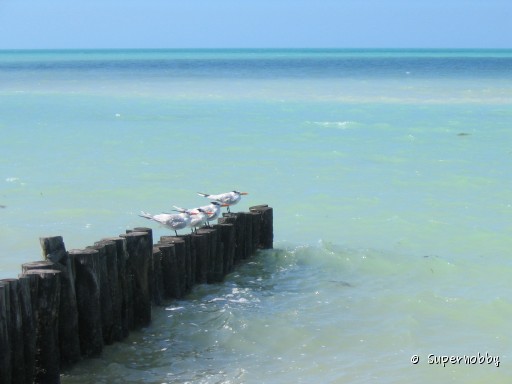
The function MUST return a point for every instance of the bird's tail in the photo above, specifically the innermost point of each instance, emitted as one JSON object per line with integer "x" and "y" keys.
{"x": 146, "y": 215}
{"x": 182, "y": 210}
{"x": 203, "y": 194}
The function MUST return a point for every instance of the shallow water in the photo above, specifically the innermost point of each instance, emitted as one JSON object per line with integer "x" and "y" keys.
{"x": 388, "y": 175}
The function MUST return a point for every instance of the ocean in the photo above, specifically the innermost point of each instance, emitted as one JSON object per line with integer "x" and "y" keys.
{"x": 388, "y": 172}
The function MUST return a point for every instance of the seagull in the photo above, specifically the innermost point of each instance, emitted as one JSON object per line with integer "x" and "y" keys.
{"x": 229, "y": 198}
{"x": 172, "y": 221}
{"x": 212, "y": 211}
{"x": 198, "y": 219}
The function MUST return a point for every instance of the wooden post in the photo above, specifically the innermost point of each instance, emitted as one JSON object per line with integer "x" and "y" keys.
{"x": 186, "y": 259}
{"x": 5, "y": 348}
{"x": 200, "y": 246}
{"x": 27, "y": 290}
{"x": 113, "y": 332}
{"x": 151, "y": 279}
{"x": 189, "y": 264}
{"x": 87, "y": 286}
{"x": 171, "y": 274}
{"x": 107, "y": 321}
{"x": 255, "y": 217}
{"x": 125, "y": 287}
{"x": 218, "y": 272}
{"x": 215, "y": 262}
{"x": 247, "y": 234}
{"x": 53, "y": 250}
{"x": 47, "y": 368}
{"x": 267, "y": 226}
{"x": 16, "y": 337}
{"x": 139, "y": 247}
{"x": 238, "y": 222}
{"x": 158, "y": 284}
{"x": 227, "y": 237}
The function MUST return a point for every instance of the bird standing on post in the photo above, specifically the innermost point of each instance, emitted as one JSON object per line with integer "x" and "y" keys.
{"x": 212, "y": 211}
{"x": 229, "y": 198}
{"x": 198, "y": 219}
{"x": 172, "y": 221}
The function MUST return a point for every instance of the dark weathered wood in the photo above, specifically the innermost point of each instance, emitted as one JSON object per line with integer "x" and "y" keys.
{"x": 158, "y": 284}
{"x": 16, "y": 338}
{"x": 256, "y": 230}
{"x": 5, "y": 348}
{"x": 267, "y": 227}
{"x": 47, "y": 368}
{"x": 111, "y": 332}
{"x": 27, "y": 292}
{"x": 189, "y": 262}
{"x": 218, "y": 272}
{"x": 171, "y": 273}
{"x": 125, "y": 287}
{"x": 151, "y": 279}
{"x": 140, "y": 247}
{"x": 200, "y": 246}
{"x": 238, "y": 222}
{"x": 107, "y": 319}
{"x": 54, "y": 250}
{"x": 247, "y": 234}
{"x": 183, "y": 263}
{"x": 41, "y": 264}
{"x": 186, "y": 259}
{"x": 215, "y": 271}
{"x": 227, "y": 238}
{"x": 115, "y": 332}
{"x": 87, "y": 286}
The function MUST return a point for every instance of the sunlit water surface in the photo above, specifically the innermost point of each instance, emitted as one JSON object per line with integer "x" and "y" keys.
{"x": 389, "y": 177}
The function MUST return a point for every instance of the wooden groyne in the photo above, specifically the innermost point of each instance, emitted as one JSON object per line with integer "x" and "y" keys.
{"x": 71, "y": 304}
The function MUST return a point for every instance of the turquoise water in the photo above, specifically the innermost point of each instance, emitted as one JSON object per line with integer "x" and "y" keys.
{"x": 388, "y": 172}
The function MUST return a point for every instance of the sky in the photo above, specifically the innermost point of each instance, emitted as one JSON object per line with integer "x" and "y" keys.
{"x": 89, "y": 24}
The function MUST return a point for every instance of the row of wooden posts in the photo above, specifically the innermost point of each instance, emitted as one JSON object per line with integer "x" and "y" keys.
{"x": 72, "y": 303}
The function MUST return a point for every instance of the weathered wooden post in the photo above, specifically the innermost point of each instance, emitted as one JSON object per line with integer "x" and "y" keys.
{"x": 87, "y": 287}
{"x": 53, "y": 250}
{"x": 5, "y": 345}
{"x": 227, "y": 237}
{"x": 27, "y": 292}
{"x": 139, "y": 246}
{"x": 151, "y": 279}
{"x": 186, "y": 258}
{"x": 239, "y": 225}
{"x": 267, "y": 226}
{"x": 110, "y": 295}
{"x": 158, "y": 284}
{"x": 188, "y": 263}
{"x": 200, "y": 246}
{"x": 215, "y": 257}
{"x": 47, "y": 369}
{"x": 125, "y": 288}
{"x": 255, "y": 217}
{"x": 16, "y": 337}
{"x": 247, "y": 234}
{"x": 105, "y": 295}
{"x": 170, "y": 268}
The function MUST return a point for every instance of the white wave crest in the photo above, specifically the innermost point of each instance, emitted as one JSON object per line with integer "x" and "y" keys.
{"x": 335, "y": 124}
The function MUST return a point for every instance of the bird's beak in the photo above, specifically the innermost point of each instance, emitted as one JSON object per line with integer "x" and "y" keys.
{"x": 243, "y": 193}
{"x": 224, "y": 205}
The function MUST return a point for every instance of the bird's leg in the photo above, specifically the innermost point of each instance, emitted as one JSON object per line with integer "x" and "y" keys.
{"x": 229, "y": 210}
{"x": 176, "y": 233}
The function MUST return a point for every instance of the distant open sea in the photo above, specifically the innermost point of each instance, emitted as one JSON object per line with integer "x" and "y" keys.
{"x": 389, "y": 172}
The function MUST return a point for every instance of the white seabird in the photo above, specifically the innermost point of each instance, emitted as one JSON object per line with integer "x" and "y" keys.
{"x": 229, "y": 198}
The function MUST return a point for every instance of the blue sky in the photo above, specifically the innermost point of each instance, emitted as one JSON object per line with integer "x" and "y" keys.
{"x": 250, "y": 24}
